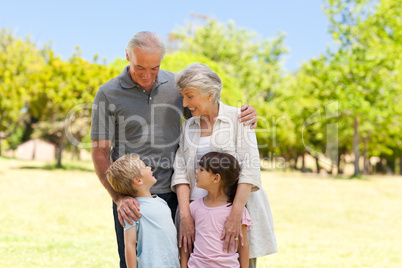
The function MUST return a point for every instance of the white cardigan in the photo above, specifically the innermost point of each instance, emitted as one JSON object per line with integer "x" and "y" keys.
{"x": 231, "y": 137}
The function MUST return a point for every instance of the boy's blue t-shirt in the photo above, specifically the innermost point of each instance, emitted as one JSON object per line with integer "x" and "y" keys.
{"x": 156, "y": 234}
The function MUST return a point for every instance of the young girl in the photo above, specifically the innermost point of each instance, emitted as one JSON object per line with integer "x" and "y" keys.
{"x": 218, "y": 174}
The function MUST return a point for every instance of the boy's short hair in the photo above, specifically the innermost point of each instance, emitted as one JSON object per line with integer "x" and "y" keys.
{"x": 122, "y": 172}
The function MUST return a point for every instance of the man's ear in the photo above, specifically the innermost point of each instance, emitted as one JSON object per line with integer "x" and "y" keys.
{"x": 138, "y": 181}
{"x": 127, "y": 57}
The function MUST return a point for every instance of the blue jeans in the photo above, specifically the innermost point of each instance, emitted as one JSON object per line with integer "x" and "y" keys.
{"x": 171, "y": 200}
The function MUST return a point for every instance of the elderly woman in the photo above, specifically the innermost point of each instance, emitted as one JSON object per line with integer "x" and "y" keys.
{"x": 214, "y": 127}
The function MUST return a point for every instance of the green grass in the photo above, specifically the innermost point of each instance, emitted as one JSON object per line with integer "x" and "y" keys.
{"x": 325, "y": 222}
{"x": 62, "y": 218}
{"x": 54, "y": 218}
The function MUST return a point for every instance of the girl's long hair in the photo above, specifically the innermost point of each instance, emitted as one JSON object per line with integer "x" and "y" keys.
{"x": 227, "y": 167}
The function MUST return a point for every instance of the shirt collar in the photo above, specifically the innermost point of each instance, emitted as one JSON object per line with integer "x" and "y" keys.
{"x": 126, "y": 82}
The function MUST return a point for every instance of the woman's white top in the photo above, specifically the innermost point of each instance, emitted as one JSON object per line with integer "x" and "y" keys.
{"x": 231, "y": 137}
{"x": 203, "y": 147}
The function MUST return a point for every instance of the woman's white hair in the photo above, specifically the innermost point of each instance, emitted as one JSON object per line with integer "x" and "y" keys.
{"x": 148, "y": 42}
{"x": 200, "y": 77}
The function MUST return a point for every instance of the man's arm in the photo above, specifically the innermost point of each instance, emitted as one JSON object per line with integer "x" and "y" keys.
{"x": 248, "y": 115}
{"x": 101, "y": 159}
{"x": 125, "y": 204}
{"x": 130, "y": 239}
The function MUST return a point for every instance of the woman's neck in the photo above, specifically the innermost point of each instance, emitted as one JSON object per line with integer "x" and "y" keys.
{"x": 208, "y": 120}
{"x": 212, "y": 113}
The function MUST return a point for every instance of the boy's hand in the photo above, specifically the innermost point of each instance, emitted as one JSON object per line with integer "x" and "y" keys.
{"x": 248, "y": 116}
{"x": 128, "y": 208}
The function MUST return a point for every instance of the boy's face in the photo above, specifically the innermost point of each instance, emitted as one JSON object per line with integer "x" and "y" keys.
{"x": 146, "y": 174}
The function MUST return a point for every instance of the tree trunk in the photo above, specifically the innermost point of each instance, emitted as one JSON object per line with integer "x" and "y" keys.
{"x": 1, "y": 140}
{"x": 75, "y": 153}
{"x": 303, "y": 163}
{"x": 296, "y": 160}
{"x": 356, "y": 149}
{"x": 380, "y": 167}
{"x": 317, "y": 165}
{"x": 61, "y": 148}
{"x": 365, "y": 155}
{"x": 59, "y": 158}
{"x": 400, "y": 165}
{"x": 340, "y": 170}
{"x": 391, "y": 166}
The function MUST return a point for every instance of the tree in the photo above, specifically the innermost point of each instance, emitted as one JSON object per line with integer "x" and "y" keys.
{"x": 368, "y": 36}
{"x": 19, "y": 60}
{"x": 63, "y": 94}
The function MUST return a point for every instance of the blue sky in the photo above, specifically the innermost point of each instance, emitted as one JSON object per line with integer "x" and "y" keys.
{"x": 104, "y": 27}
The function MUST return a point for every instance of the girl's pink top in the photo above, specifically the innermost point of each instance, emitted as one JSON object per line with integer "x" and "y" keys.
{"x": 208, "y": 247}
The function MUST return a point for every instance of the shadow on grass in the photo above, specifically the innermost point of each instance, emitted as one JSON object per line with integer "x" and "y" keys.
{"x": 359, "y": 177}
{"x": 67, "y": 167}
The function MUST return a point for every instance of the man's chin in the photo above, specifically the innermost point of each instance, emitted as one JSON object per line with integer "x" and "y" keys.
{"x": 147, "y": 85}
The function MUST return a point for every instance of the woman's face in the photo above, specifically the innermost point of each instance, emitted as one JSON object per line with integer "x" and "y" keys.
{"x": 197, "y": 103}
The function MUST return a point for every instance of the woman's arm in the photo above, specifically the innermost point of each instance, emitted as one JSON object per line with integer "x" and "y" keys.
{"x": 250, "y": 179}
{"x": 243, "y": 249}
{"x": 130, "y": 239}
{"x": 232, "y": 228}
{"x": 186, "y": 232}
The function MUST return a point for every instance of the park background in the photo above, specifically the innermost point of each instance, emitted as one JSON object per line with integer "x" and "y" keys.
{"x": 329, "y": 135}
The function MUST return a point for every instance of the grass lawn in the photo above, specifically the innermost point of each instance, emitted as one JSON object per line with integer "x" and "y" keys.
{"x": 62, "y": 218}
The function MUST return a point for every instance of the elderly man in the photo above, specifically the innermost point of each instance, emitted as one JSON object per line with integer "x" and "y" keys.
{"x": 139, "y": 112}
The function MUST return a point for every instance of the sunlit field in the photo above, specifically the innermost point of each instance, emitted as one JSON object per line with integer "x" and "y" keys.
{"x": 62, "y": 218}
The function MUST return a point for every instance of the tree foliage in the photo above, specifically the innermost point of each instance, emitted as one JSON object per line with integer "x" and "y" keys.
{"x": 34, "y": 83}
{"x": 367, "y": 67}
{"x": 19, "y": 60}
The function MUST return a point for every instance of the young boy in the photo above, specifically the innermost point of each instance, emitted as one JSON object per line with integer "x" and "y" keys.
{"x": 153, "y": 243}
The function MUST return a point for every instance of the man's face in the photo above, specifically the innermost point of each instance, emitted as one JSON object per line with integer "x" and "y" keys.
{"x": 144, "y": 67}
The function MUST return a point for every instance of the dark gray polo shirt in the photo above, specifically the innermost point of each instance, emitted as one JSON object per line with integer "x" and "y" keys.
{"x": 136, "y": 121}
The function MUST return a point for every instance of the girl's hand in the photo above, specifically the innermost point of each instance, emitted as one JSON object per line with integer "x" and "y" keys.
{"x": 232, "y": 235}
{"x": 187, "y": 233}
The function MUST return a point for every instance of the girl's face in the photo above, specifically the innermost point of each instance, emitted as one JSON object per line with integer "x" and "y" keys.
{"x": 203, "y": 178}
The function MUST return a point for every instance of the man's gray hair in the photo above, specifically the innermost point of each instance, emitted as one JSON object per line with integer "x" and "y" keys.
{"x": 200, "y": 77}
{"x": 148, "y": 42}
